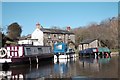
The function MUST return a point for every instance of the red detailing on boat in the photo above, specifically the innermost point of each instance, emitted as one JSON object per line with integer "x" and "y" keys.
{"x": 96, "y": 49}
{"x": 107, "y": 55}
{"x": 15, "y": 51}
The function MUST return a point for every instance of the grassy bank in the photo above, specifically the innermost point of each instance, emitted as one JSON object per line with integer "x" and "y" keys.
{"x": 115, "y": 50}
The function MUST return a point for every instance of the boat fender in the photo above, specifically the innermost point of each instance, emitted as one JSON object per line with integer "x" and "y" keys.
{"x": 3, "y": 52}
{"x": 107, "y": 55}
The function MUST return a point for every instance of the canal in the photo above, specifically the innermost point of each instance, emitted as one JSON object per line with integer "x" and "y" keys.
{"x": 71, "y": 68}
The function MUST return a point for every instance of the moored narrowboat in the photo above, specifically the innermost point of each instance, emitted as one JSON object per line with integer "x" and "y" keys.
{"x": 95, "y": 52}
{"x": 25, "y": 54}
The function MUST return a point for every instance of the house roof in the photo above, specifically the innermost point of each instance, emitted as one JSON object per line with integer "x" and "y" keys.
{"x": 56, "y": 31}
{"x": 87, "y": 41}
{"x": 51, "y": 31}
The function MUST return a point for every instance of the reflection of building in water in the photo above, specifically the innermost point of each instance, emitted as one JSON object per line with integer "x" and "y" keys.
{"x": 91, "y": 64}
{"x": 61, "y": 69}
{"x": 86, "y": 67}
{"x": 28, "y": 71}
{"x": 7, "y": 75}
{"x": 65, "y": 68}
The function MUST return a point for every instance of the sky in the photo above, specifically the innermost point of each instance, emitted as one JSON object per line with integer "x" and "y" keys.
{"x": 61, "y": 14}
{"x": 60, "y": 0}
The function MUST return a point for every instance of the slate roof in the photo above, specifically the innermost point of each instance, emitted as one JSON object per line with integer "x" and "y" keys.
{"x": 56, "y": 31}
{"x": 51, "y": 31}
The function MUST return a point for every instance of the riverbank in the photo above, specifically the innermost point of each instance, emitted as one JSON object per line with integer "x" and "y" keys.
{"x": 114, "y": 53}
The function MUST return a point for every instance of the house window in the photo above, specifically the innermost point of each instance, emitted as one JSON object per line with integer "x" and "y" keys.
{"x": 59, "y": 37}
{"x": 55, "y": 35}
{"x": 68, "y": 36}
{"x": 49, "y": 36}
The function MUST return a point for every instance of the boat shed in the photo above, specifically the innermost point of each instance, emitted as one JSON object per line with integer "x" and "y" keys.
{"x": 89, "y": 43}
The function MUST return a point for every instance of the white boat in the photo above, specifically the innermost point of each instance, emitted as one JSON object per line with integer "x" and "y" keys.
{"x": 62, "y": 51}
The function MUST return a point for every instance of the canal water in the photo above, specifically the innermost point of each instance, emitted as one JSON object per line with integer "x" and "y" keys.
{"x": 79, "y": 68}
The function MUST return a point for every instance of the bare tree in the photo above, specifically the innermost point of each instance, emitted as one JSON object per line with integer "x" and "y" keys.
{"x": 106, "y": 32}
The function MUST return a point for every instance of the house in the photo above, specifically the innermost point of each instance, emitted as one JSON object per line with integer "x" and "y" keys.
{"x": 44, "y": 36}
{"x": 89, "y": 43}
{"x": 36, "y": 38}
{"x": 37, "y": 34}
{"x": 52, "y": 36}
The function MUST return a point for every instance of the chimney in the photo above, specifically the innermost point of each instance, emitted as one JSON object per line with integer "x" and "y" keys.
{"x": 68, "y": 28}
{"x": 38, "y": 25}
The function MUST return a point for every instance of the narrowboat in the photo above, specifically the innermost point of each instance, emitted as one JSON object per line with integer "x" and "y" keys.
{"x": 24, "y": 54}
{"x": 95, "y": 52}
{"x": 61, "y": 50}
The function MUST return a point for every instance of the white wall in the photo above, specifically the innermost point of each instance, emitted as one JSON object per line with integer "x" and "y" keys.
{"x": 93, "y": 44}
{"x": 85, "y": 46}
{"x": 37, "y": 34}
{"x": 80, "y": 47}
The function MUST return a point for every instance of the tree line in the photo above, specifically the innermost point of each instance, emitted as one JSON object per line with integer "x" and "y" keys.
{"x": 106, "y": 32}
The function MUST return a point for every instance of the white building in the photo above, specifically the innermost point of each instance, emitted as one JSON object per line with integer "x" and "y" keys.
{"x": 36, "y": 37}
{"x": 37, "y": 34}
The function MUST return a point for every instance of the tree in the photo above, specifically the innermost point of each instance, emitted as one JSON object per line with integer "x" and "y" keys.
{"x": 106, "y": 32}
{"x": 14, "y": 31}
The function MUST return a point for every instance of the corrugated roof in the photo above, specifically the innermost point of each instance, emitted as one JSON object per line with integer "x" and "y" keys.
{"x": 87, "y": 41}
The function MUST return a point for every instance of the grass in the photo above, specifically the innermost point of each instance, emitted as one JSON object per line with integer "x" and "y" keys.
{"x": 115, "y": 50}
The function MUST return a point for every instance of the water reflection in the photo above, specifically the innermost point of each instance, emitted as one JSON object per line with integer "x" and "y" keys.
{"x": 62, "y": 67}
{"x": 66, "y": 68}
{"x": 93, "y": 64}
{"x": 28, "y": 71}
{"x": 99, "y": 68}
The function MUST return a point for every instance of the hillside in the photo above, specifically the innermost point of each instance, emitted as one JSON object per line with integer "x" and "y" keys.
{"x": 106, "y": 32}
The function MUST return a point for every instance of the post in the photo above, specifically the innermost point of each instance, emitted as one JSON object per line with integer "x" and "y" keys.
{"x": 36, "y": 59}
{"x": 90, "y": 55}
{"x": 57, "y": 57}
{"x": 30, "y": 60}
{"x": 95, "y": 55}
{"x": 102, "y": 54}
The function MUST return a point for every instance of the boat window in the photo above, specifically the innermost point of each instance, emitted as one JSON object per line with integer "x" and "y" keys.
{"x": 70, "y": 50}
{"x": 28, "y": 50}
{"x": 40, "y": 50}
